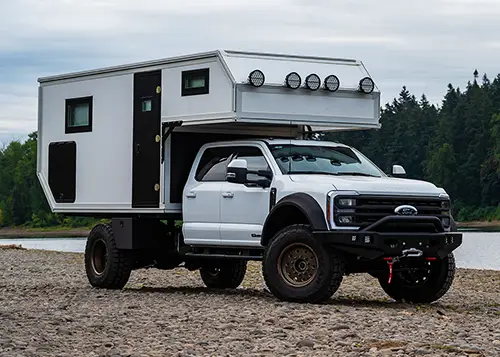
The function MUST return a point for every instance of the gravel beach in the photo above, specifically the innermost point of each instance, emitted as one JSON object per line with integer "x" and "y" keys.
{"x": 47, "y": 308}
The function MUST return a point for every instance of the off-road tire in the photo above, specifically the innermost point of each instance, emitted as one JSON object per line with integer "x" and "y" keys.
{"x": 224, "y": 274}
{"x": 115, "y": 271}
{"x": 327, "y": 278}
{"x": 437, "y": 284}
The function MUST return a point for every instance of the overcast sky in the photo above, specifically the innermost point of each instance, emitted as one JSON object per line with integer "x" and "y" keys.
{"x": 422, "y": 44}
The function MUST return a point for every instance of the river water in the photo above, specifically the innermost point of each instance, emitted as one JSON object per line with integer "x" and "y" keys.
{"x": 479, "y": 250}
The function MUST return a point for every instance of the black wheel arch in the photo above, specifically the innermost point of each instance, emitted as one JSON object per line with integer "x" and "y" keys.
{"x": 298, "y": 207}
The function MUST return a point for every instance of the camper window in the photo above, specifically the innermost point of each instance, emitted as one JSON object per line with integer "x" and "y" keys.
{"x": 195, "y": 82}
{"x": 78, "y": 115}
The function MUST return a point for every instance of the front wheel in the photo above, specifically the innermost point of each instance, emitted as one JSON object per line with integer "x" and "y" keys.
{"x": 298, "y": 268}
{"x": 424, "y": 284}
{"x": 224, "y": 274}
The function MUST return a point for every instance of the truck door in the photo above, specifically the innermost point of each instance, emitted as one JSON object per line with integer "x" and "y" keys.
{"x": 201, "y": 198}
{"x": 146, "y": 144}
{"x": 244, "y": 207}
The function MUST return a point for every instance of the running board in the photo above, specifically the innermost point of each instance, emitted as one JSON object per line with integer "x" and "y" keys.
{"x": 224, "y": 256}
{"x": 223, "y": 253}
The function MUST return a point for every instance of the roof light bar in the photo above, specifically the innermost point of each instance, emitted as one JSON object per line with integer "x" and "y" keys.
{"x": 332, "y": 83}
{"x": 366, "y": 85}
{"x": 256, "y": 78}
{"x": 293, "y": 80}
{"x": 313, "y": 82}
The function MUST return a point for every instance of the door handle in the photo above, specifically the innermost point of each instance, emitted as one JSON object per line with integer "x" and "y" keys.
{"x": 191, "y": 194}
{"x": 228, "y": 195}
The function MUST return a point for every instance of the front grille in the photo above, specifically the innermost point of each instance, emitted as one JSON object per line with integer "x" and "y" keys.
{"x": 370, "y": 209}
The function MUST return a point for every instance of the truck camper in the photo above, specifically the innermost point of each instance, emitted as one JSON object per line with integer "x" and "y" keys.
{"x": 210, "y": 160}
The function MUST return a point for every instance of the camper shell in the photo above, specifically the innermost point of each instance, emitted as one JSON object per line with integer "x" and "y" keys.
{"x": 122, "y": 139}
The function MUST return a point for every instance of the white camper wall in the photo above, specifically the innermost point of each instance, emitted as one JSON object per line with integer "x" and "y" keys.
{"x": 103, "y": 158}
{"x": 217, "y": 104}
{"x": 304, "y": 107}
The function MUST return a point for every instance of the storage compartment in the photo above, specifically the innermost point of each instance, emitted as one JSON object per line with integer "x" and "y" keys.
{"x": 62, "y": 171}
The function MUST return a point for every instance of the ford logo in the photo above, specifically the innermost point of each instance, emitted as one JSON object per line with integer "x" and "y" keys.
{"x": 406, "y": 210}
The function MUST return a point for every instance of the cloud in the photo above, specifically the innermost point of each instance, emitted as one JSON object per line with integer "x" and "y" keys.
{"x": 421, "y": 44}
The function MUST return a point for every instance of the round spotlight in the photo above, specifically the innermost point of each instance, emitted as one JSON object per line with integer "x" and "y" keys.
{"x": 256, "y": 78}
{"x": 366, "y": 85}
{"x": 332, "y": 83}
{"x": 293, "y": 80}
{"x": 313, "y": 82}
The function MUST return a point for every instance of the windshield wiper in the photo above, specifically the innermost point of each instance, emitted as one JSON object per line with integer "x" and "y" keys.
{"x": 356, "y": 174}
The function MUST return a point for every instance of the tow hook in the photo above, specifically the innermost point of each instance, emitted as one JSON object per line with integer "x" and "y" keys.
{"x": 407, "y": 253}
{"x": 390, "y": 262}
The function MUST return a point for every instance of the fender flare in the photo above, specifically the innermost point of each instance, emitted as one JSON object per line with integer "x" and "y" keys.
{"x": 306, "y": 204}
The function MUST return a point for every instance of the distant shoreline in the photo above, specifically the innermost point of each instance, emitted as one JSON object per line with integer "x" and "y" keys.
{"x": 65, "y": 232}
{"x": 49, "y": 232}
{"x": 478, "y": 224}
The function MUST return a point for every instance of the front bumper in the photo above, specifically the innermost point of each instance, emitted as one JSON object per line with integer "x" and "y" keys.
{"x": 389, "y": 238}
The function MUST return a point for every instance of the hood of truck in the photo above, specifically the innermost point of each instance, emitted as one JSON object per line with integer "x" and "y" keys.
{"x": 370, "y": 185}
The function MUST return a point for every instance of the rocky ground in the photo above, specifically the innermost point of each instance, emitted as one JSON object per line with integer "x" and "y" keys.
{"x": 47, "y": 308}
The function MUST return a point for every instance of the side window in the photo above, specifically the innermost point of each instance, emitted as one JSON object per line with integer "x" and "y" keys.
{"x": 78, "y": 115}
{"x": 213, "y": 164}
{"x": 255, "y": 159}
{"x": 195, "y": 82}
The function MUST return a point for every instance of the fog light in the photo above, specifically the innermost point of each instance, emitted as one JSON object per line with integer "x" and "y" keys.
{"x": 256, "y": 78}
{"x": 345, "y": 219}
{"x": 347, "y": 202}
{"x": 332, "y": 83}
{"x": 445, "y": 221}
{"x": 293, "y": 80}
{"x": 368, "y": 239}
{"x": 313, "y": 82}
{"x": 366, "y": 85}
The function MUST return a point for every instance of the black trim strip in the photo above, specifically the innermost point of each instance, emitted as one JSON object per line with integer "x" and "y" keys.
{"x": 272, "y": 198}
{"x": 170, "y": 126}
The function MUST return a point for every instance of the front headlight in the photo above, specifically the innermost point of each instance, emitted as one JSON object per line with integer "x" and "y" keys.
{"x": 445, "y": 207}
{"x": 347, "y": 202}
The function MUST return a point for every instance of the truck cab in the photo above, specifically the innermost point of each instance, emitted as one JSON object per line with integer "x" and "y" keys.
{"x": 243, "y": 194}
{"x": 211, "y": 160}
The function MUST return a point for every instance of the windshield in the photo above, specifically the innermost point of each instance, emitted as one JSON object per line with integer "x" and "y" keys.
{"x": 330, "y": 160}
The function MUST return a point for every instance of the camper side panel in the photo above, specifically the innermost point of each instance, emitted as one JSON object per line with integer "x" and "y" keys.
{"x": 197, "y": 91}
{"x": 304, "y": 107}
{"x": 101, "y": 153}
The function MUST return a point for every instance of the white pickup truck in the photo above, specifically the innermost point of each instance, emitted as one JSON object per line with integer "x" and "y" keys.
{"x": 189, "y": 140}
{"x": 312, "y": 211}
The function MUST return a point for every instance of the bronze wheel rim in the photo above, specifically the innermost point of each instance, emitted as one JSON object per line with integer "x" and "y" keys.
{"x": 298, "y": 265}
{"x": 99, "y": 257}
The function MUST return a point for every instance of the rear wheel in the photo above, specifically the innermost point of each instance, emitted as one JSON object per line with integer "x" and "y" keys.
{"x": 424, "y": 284}
{"x": 298, "y": 268}
{"x": 106, "y": 266}
{"x": 227, "y": 274}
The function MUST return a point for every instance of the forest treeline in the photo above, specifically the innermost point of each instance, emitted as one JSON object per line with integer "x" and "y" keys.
{"x": 455, "y": 146}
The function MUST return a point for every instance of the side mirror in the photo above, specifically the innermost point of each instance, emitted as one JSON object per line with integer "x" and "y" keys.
{"x": 398, "y": 171}
{"x": 268, "y": 174}
{"x": 237, "y": 171}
